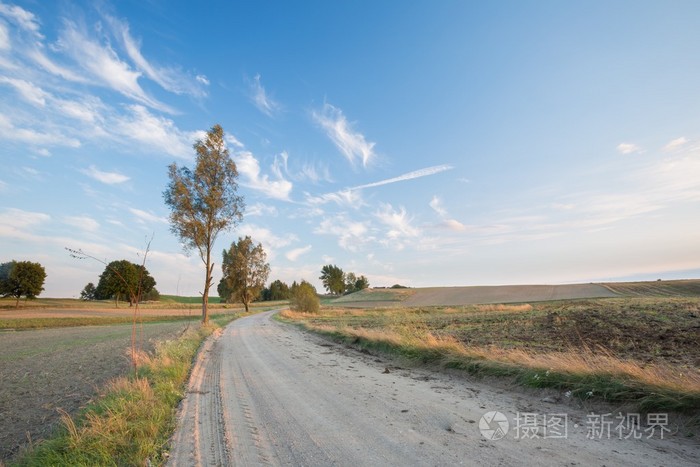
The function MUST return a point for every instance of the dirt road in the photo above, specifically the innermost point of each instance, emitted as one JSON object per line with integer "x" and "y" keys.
{"x": 267, "y": 393}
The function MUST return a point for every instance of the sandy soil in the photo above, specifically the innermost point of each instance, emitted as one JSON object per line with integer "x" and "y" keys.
{"x": 266, "y": 393}
{"x": 43, "y": 370}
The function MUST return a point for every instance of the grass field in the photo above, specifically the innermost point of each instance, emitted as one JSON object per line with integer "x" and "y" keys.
{"x": 50, "y": 369}
{"x": 639, "y": 350}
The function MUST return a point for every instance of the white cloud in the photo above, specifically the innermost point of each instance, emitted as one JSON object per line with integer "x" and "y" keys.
{"x": 109, "y": 178}
{"x": 82, "y": 222}
{"x": 9, "y": 131}
{"x": 352, "y": 235}
{"x": 293, "y": 255}
{"x": 5, "y": 43}
{"x": 675, "y": 144}
{"x": 352, "y": 144}
{"x": 260, "y": 209}
{"x": 262, "y": 101}
{"x": 146, "y": 217}
{"x": 271, "y": 242}
{"x": 350, "y": 198}
{"x": 628, "y": 148}
{"x": 157, "y": 132}
{"x": 31, "y": 93}
{"x": 168, "y": 78}
{"x": 407, "y": 176}
{"x": 436, "y": 205}
{"x": 21, "y": 219}
{"x": 249, "y": 166}
{"x": 232, "y": 140}
{"x": 398, "y": 222}
{"x": 104, "y": 65}
{"x": 454, "y": 225}
{"x": 25, "y": 19}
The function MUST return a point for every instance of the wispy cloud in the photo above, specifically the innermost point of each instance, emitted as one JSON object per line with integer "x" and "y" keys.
{"x": 11, "y": 132}
{"x": 675, "y": 144}
{"x": 25, "y": 19}
{"x": 169, "y": 78}
{"x": 408, "y": 176}
{"x": 85, "y": 223}
{"x": 351, "y": 196}
{"x": 436, "y": 205}
{"x": 293, "y": 255}
{"x": 249, "y": 167}
{"x": 29, "y": 92}
{"x": 109, "y": 178}
{"x": 262, "y": 100}
{"x": 352, "y": 144}
{"x": 155, "y": 131}
{"x": 104, "y": 66}
{"x": 261, "y": 209}
{"x": 16, "y": 223}
{"x": 351, "y": 234}
{"x": 399, "y": 225}
{"x": 147, "y": 217}
{"x": 628, "y": 148}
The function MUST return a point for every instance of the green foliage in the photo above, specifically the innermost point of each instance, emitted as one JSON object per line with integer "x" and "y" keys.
{"x": 278, "y": 290}
{"x": 89, "y": 292}
{"x": 152, "y": 295}
{"x": 354, "y": 283}
{"x": 304, "y": 298}
{"x": 204, "y": 202}
{"x": 245, "y": 272}
{"x": 124, "y": 280}
{"x": 21, "y": 279}
{"x": 333, "y": 279}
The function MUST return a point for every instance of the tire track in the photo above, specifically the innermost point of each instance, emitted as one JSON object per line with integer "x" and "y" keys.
{"x": 264, "y": 393}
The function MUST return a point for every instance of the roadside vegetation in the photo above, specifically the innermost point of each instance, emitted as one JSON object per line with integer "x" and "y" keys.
{"x": 132, "y": 420}
{"x": 638, "y": 351}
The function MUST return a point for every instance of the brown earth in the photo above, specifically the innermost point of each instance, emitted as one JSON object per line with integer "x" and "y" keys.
{"x": 50, "y": 369}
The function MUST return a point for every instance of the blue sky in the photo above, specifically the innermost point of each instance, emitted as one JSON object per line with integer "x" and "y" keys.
{"x": 421, "y": 143}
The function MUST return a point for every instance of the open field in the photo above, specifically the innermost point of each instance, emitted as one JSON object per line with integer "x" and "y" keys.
{"x": 44, "y": 370}
{"x": 454, "y": 296}
{"x": 634, "y": 347}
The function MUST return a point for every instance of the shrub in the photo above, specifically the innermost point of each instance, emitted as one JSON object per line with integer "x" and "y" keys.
{"x": 304, "y": 298}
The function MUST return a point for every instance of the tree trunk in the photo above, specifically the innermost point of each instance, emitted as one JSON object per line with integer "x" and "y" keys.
{"x": 17, "y": 302}
{"x": 207, "y": 284}
{"x": 245, "y": 304}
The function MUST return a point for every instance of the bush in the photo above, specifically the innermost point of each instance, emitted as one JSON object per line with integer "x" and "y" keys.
{"x": 304, "y": 298}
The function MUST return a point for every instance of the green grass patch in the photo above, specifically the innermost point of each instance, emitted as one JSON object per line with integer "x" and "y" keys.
{"x": 188, "y": 300}
{"x": 131, "y": 423}
{"x": 43, "y": 323}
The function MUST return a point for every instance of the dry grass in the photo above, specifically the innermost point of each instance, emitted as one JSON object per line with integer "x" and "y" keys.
{"x": 133, "y": 419}
{"x": 426, "y": 335}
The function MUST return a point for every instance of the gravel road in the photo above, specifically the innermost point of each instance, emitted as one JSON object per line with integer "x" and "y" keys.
{"x": 266, "y": 393}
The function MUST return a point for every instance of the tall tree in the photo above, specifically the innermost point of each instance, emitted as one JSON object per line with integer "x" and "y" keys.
{"x": 21, "y": 279}
{"x": 333, "y": 279}
{"x": 124, "y": 280}
{"x": 204, "y": 202}
{"x": 245, "y": 272}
